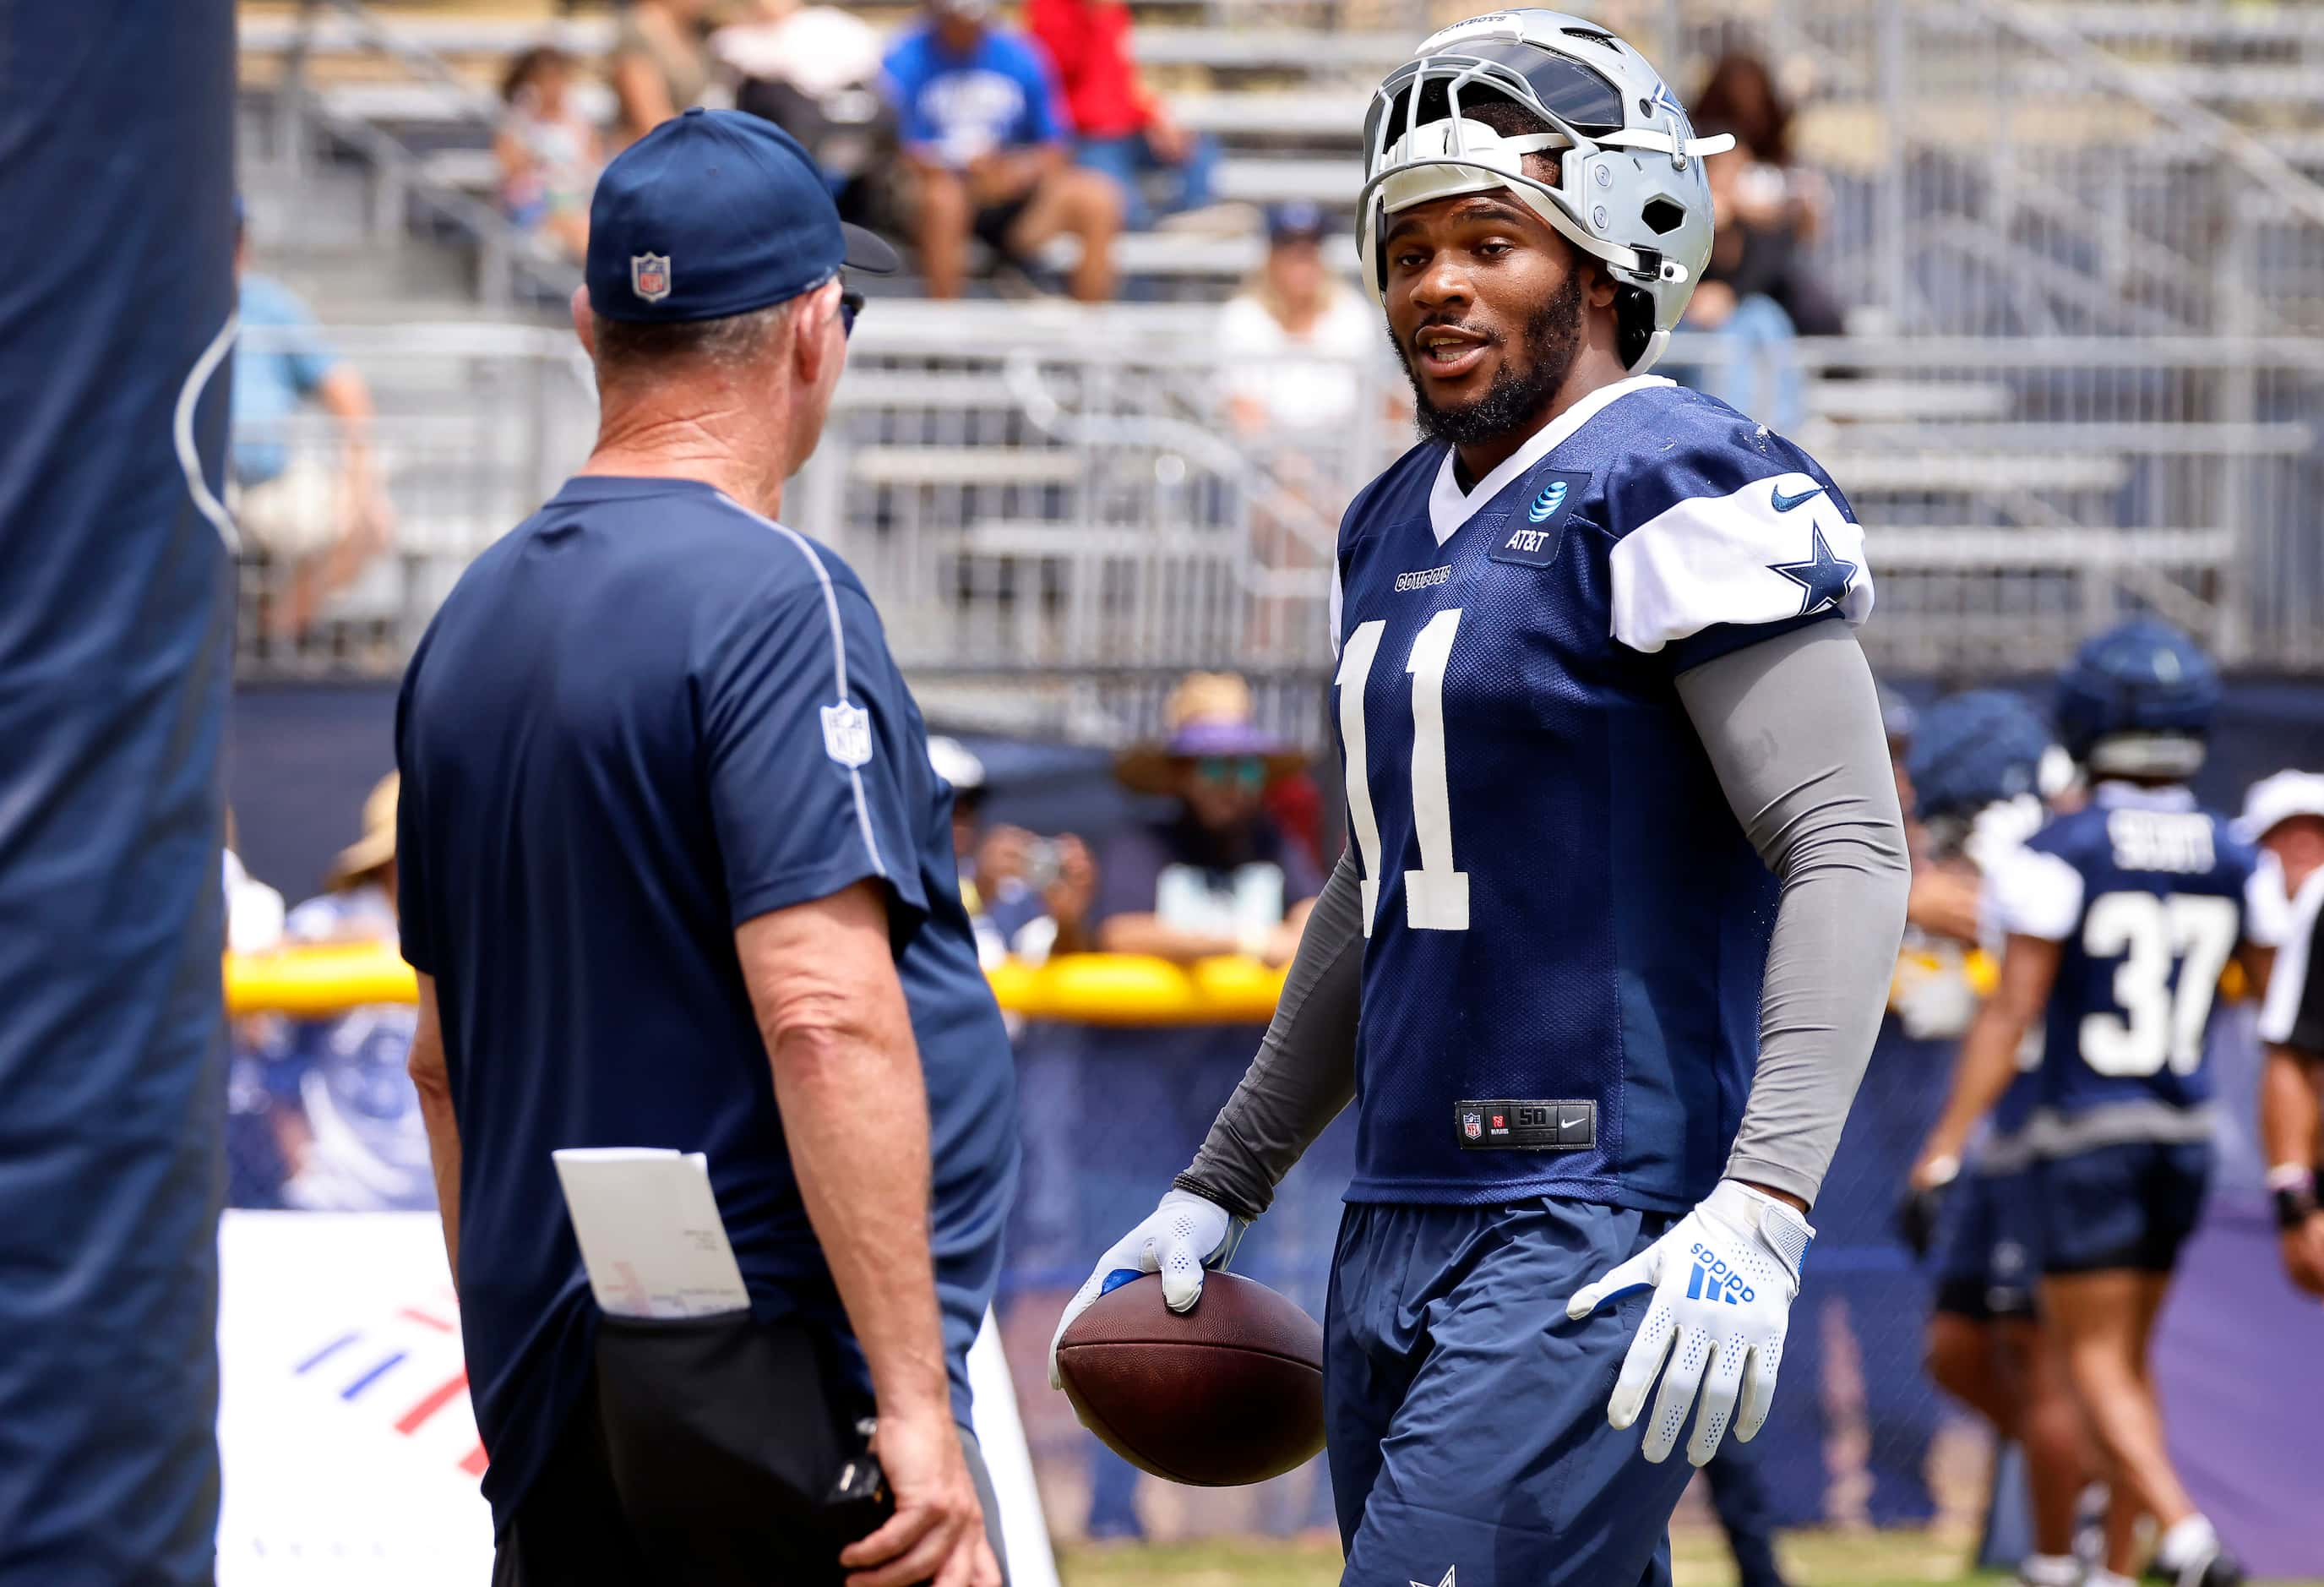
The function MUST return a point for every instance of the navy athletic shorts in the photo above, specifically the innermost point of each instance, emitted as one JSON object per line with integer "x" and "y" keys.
{"x": 1985, "y": 1248}
{"x": 1465, "y": 1417}
{"x": 2130, "y": 1207}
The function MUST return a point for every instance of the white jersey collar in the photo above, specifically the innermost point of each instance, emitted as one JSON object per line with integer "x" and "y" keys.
{"x": 2129, "y": 796}
{"x": 1448, "y": 509}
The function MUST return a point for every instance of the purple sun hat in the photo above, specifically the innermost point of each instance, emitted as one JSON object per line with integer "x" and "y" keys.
{"x": 1208, "y": 716}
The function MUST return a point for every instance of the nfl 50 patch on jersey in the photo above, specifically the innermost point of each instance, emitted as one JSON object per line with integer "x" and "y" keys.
{"x": 1525, "y": 1124}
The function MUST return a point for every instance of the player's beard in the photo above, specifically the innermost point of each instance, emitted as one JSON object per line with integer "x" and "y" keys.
{"x": 1551, "y": 341}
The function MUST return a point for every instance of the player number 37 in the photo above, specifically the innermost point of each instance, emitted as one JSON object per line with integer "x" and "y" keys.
{"x": 1435, "y": 896}
{"x": 2158, "y": 1023}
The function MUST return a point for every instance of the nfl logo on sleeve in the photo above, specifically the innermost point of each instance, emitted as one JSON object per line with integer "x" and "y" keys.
{"x": 649, "y": 276}
{"x": 847, "y": 734}
{"x": 1472, "y": 1125}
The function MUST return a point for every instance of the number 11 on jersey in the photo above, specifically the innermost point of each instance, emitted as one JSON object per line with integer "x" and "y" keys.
{"x": 1435, "y": 896}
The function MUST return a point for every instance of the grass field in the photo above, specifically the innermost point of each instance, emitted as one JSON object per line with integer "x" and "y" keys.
{"x": 1812, "y": 1559}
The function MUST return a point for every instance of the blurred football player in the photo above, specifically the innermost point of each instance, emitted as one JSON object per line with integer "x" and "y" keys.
{"x": 2285, "y": 814}
{"x": 1605, "y": 727}
{"x": 1979, "y": 766}
{"x": 2118, "y": 919}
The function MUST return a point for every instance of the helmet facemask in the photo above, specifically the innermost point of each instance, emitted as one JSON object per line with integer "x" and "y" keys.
{"x": 1420, "y": 146}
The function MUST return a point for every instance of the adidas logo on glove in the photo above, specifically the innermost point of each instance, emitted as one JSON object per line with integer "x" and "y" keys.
{"x": 1713, "y": 1279}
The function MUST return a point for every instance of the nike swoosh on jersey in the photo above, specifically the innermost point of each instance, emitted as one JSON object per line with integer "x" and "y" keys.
{"x": 1783, "y": 503}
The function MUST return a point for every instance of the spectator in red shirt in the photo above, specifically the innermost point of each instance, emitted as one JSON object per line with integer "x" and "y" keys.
{"x": 1119, "y": 127}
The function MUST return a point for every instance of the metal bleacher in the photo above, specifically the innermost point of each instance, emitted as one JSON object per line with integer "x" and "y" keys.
{"x": 2083, "y": 246}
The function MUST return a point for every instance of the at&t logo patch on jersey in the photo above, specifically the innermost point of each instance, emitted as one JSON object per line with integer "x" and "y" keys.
{"x": 1532, "y": 540}
{"x": 1713, "y": 1279}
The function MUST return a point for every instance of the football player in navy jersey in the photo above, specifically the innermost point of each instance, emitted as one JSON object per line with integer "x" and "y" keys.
{"x": 2119, "y": 919}
{"x": 1980, "y": 766}
{"x": 1627, "y": 875}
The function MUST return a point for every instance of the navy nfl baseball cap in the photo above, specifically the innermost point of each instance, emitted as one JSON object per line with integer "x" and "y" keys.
{"x": 715, "y": 213}
{"x": 1299, "y": 220}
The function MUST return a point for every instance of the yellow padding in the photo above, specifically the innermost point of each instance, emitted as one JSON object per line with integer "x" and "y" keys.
{"x": 1090, "y": 989}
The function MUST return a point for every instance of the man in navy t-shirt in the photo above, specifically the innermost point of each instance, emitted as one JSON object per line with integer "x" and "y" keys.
{"x": 675, "y": 872}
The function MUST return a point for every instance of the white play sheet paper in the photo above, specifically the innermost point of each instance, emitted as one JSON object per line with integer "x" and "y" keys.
{"x": 650, "y": 1231}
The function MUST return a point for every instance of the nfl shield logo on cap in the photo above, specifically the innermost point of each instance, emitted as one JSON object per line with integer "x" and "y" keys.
{"x": 649, "y": 276}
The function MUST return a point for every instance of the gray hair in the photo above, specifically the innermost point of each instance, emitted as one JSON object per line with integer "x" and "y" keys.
{"x": 625, "y": 347}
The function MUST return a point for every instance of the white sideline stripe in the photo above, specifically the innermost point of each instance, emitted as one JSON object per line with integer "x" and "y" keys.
{"x": 838, "y": 661}
{"x": 1008, "y": 1459}
{"x": 181, "y": 432}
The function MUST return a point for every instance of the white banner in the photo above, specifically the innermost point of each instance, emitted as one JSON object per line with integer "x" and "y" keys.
{"x": 350, "y": 1449}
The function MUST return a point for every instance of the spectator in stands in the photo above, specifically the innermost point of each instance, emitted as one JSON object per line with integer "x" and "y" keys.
{"x": 984, "y": 140}
{"x": 317, "y": 511}
{"x": 1216, "y": 876}
{"x": 1759, "y": 290}
{"x": 1018, "y": 887}
{"x": 1772, "y": 206}
{"x": 661, "y": 63}
{"x": 1120, "y": 127}
{"x": 814, "y": 70}
{"x": 342, "y": 1112}
{"x": 1291, "y": 341}
{"x": 1757, "y": 372}
{"x": 547, "y": 150}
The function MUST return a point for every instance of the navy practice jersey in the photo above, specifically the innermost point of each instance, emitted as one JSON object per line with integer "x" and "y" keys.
{"x": 2147, "y": 896}
{"x": 1566, "y": 925}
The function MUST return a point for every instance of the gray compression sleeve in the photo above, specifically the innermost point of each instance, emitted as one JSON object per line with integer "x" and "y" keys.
{"x": 1793, "y": 729}
{"x": 1306, "y": 1070}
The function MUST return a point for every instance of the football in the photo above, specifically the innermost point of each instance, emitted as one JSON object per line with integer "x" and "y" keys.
{"x": 1231, "y": 1392}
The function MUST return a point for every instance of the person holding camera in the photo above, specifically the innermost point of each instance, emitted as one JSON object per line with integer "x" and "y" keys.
{"x": 675, "y": 872}
{"x": 1214, "y": 874}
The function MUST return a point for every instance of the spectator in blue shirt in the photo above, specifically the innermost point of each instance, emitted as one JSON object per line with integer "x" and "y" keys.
{"x": 311, "y": 502}
{"x": 985, "y": 142}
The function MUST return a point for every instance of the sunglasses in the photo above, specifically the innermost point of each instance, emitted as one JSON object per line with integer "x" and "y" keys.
{"x": 1247, "y": 772}
{"x": 851, "y": 304}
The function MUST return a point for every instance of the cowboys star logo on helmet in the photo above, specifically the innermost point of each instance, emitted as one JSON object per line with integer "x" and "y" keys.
{"x": 1631, "y": 190}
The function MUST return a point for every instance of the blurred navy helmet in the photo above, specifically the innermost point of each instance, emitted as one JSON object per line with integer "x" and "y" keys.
{"x": 2137, "y": 701}
{"x": 1975, "y": 749}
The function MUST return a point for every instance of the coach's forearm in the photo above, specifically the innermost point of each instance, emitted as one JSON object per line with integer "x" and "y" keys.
{"x": 1306, "y": 1069}
{"x": 431, "y": 1079}
{"x": 1793, "y": 729}
{"x": 856, "y": 1117}
{"x": 2289, "y": 1111}
{"x": 854, "y": 1109}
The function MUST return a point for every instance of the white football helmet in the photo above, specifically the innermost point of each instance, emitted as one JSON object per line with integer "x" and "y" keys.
{"x": 1630, "y": 188}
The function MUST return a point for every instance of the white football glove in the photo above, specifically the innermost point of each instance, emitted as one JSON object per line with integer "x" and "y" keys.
{"x": 1182, "y": 1237}
{"x": 1723, "y": 1278}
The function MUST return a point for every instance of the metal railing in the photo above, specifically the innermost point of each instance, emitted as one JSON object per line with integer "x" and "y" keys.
{"x": 405, "y": 196}
{"x": 1057, "y": 517}
{"x": 475, "y": 425}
